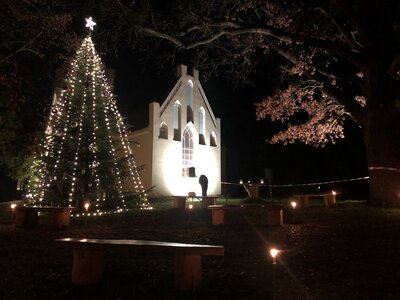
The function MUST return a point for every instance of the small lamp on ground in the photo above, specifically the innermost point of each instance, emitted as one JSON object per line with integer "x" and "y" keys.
{"x": 274, "y": 253}
{"x": 13, "y": 206}
{"x": 294, "y": 204}
{"x": 190, "y": 210}
{"x": 86, "y": 206}
{"x": 333, "y": 197}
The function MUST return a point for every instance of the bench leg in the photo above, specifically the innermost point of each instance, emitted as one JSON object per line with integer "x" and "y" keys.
{"x": 19, "y": 218}
{"x": 217, "y": 216}
{"x": 206, "y": 201}
{"x": 304, "y": 201}
{"x": 87, "y": 266}
{"x": 275, "y": 217}
{"x": 59, "y": 219}
{"x": 26, "y": 219}
{"x": 179, "y": 202}
{"x": 330, "y": 200}
{"x": 187, "y": 272}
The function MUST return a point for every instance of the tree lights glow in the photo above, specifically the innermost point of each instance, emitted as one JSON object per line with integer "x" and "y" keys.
{"x": 85, "y": 153}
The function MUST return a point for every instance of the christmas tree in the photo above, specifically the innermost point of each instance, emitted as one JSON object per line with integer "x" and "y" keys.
{"x": 85, "y": 153}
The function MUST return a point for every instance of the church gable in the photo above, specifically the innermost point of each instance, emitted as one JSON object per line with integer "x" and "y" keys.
{"x": 187, "y": 103}
{"x": 182, "y": 141}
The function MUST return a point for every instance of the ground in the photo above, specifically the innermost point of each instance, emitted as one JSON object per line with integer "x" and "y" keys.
{"x": 345, "y": 252}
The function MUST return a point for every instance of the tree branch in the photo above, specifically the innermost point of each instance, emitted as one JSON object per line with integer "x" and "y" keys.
{"x": 348, "y": 38}
{"x": 23, "y": 48}
{"x": 212, "y": 31}
{"x": 354, "y": 110}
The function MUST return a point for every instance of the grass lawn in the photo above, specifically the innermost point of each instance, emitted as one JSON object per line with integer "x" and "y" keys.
{"x": 349, "y": 251}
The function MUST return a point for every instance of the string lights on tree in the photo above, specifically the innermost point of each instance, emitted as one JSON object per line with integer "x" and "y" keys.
{"x": 86, "y": 153}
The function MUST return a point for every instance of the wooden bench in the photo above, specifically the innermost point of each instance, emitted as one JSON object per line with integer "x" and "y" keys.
{"x": 217, "y": 214}
{"x": 304, "y": 199}
{"x": 88, "y": 258}
{"x": 180, "y": 201}
{"x": 206, "y": 201}
{"x": 274, "y": 213}
{"x": 57, "y": 217}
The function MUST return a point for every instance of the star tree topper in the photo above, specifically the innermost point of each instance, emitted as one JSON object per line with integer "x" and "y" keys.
{"x": 90, "y": 23}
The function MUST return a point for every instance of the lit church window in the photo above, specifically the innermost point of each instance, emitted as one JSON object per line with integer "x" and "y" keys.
{"x": 202, "y": 140}
{"x": 163, "y": 131}
{"x": 189, "y": 101}
{"x": 177, "y": 121}
{"x": 187, "y": 154}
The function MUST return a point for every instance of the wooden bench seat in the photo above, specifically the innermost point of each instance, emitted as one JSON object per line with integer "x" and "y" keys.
{"x": 207, "y": 200}
{"x": 329, "y": 198}
{"x": 57, "y": 217}
{"x": 180, "y": 201}
{"x": 274, "y": 214}
{"x": 88, "y": 258}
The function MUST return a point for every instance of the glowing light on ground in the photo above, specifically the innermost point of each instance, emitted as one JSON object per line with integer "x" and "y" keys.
{"x": 274, "y": 253}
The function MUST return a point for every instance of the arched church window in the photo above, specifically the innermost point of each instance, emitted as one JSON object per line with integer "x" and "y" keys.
{"x": 213, "y": 139}
{"x": 189, "y": 101}
{"x": 163, "y": 131}
{"x": 187, "y": 153}
{"x": 202, "y": 140}
{"x": 177, "y": 121}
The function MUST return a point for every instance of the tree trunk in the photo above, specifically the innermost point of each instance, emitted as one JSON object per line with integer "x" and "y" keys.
{"x": 383, "y": 154}
{"x": 382, "y": 130}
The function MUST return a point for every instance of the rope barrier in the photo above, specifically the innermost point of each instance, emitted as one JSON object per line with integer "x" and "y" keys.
{"x": 384, "y": 169}
{"x": 299, "y": 184}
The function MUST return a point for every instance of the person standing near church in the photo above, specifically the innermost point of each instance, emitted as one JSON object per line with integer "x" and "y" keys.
{"x": 204, "y": 185}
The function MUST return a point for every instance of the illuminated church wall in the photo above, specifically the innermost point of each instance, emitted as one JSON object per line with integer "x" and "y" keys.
{"x": 181, "y": 142}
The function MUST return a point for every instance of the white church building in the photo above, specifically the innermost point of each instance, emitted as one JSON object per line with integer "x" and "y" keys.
{"x": 181, "y": 142}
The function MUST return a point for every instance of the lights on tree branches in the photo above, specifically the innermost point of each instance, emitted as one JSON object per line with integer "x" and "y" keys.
{"x": 86, "y": 117}
{"x": 93, "y": 148}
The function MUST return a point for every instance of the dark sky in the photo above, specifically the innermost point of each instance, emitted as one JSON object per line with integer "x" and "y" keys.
{"x": 247, "y": 153}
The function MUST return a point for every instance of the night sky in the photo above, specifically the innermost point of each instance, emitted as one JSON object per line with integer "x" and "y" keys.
{"x": 247, "y": 153}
